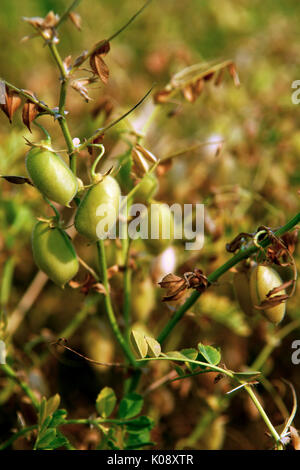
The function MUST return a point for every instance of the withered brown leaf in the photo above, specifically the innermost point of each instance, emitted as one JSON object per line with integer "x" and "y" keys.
{"x": 29, "y": 113}
{"x": 12, "y": 103}
{"x": 162, "y": 96}
{"x": 233, "y": 72}
{"x": 140, "y": 164}
{"x": 174, "y": 285}
{"x": 90, "y": 283}
{"x": 146, "y": 153}
{"x": 97, "y": 63}
{"x": 76, "y": 19}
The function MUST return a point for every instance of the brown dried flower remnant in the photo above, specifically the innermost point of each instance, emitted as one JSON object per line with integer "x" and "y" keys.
{"x": 176, "y": 286}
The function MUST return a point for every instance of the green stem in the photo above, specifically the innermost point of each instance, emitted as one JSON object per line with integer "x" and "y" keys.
{"x": 62, "y": 101}
{"x": 48, "y": 137}
{"x": 17, "y": 435}
{"x": 114, "y": 35}
{"x": 127, "y": 291}
{"x": 30, "y": 98}
{"x": 263, "y": 414}
{"x": 24, "y": 386}
{"x": 65, "y": 15}
{"x": 102, "y": 130}
{"x": 213, "y": 277}
{"x": 108, "y": 304}
{"x": 97, "y": 160}
{"x": 230, "y": 374}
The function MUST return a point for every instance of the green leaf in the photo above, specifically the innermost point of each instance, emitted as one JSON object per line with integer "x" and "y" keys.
{"x": 58, "y": 418}
{"x": 44, "y": 442}
{"x": 179, "y": 371}
{"x": 52, "y": 404}
{"x": 135, "y": 441}
{"x": 106, "y": 401}
{"x": 137, "y": 424}
{"x": 210, "y": 354}
{"x": 139, "y": 343}
{"x": 192, "y": 354}
{"x": 130, "y": 406}
{"x": 175, "y": 354}
{"x": 154, "y": 348}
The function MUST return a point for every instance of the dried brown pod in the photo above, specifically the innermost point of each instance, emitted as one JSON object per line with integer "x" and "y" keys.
{"x": 12, "y": 103}
{"x": 29, "y": 113}
{"x": 97, "y": 63}
{"x": 90, "y": 283}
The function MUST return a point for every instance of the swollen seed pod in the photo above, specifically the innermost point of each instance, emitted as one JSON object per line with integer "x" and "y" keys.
{"x": 242, "y": 291}
{"x": 262, "y": 280}
{"x": 53, "y": 253}
{"x": 160, "y": 228}
{"x": 98, "y": 210}
{"x": 51, "y": 175}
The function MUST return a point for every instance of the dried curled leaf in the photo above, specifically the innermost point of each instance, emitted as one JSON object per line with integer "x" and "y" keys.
{"x": 50, "y": 21}
{"x": 174, "y": 285}
{"x": 11, "y": 104}
{"x": 80, "y": 85}
{"x": 76, "y": 19}
{"x": 90, "y": 283}
{"x": 80, "y": 59}
{"x": 146, "y": 153}
{"x": 97, "y": 63}
{"x": 29, "y": 113}
{"x": 140, "y": 164}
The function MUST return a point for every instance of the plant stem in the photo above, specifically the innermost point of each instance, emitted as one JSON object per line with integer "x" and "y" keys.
{"x": 262, "y": 413}
{"x": 113, "y": 36}
{"x": 127, "y": 294}
{"x": 108, "y": 304}
{"x": 101, "y": 130}
{"x": 213, "y": 277}
{"x": 24, "y": 386}
{"x": 62, "y": 101}
{"x": 17, "y": 435}
{"x": 29, "y": 97}
{"x": 65, "y": 15}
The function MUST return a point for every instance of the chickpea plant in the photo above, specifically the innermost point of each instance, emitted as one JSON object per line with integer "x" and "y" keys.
{"x": 258, "y": 286}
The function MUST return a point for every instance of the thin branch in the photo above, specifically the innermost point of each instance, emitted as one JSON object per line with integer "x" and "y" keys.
{"x": 30, "y": 98}
{"x": 102, "y": 130}
{"x": 65, "y": 15}
{"x": 213, "y": 277}
{"x": 114, "y": 35}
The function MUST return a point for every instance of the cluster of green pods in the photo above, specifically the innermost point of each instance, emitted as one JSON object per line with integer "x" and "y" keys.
{"x": 252, "y": 288}
{"x": 95, "y": 215}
